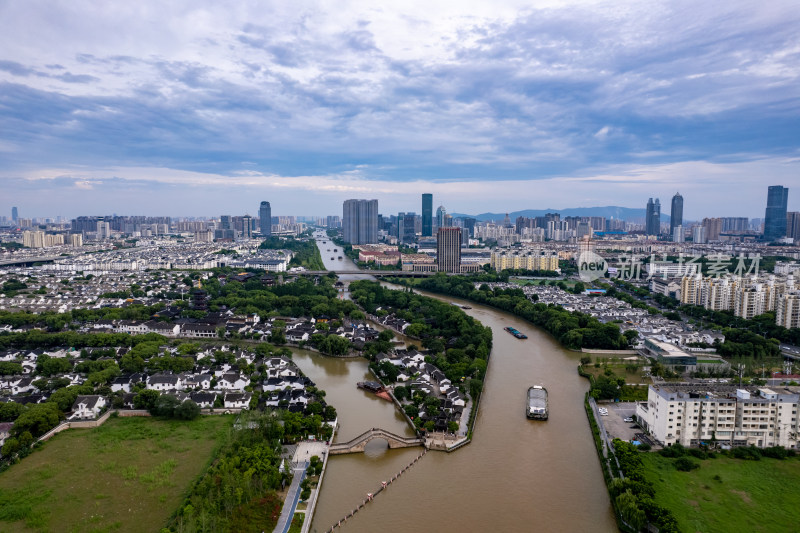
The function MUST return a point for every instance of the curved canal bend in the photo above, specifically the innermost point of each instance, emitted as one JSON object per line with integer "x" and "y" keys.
{"x": 516, "y": 475}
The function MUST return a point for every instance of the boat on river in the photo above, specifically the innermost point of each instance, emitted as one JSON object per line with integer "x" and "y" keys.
{"x": 518, "y": 334}
{"x": 536, "y": 407}
{"x": 375, "y": 388}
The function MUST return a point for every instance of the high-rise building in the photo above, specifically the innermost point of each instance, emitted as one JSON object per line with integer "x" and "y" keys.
{"x": 735, "y": 224}
{"x": 440, "y": 216}
{"x": 787, "y": 310}
{"x": 677, "y": 234}
{"x": 225, "y": 222}
{"x": 793, "y": 225}
{"x": 265, "y": 219}
{"x": 14, "y": 214}
{"x": 406, "y": 230}
{"x": 103, "y": 230}
{"x": 653, "y": 217}
{"x": 333, "y": 222}
{"x": 699, "y": 234}
{"x": 360, "y": 221}
{"x": 775, "y": 216}
{"x": 676, "y": 213}
{"x": 448, "y": 249}
{"x": 713, "y": 228}
{"x": 247, "y": 227}
{"x": 427, "y": 215}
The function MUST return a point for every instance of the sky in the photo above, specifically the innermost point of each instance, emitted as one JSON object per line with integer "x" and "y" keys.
{"x": 202, "y": 108}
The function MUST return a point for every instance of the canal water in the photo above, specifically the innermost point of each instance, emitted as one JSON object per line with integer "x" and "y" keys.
{"x": 516, "y": 475}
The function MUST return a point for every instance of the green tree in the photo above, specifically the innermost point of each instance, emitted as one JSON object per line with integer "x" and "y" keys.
{"x": 146, "y": 399}
{"x": 38, "y": 419}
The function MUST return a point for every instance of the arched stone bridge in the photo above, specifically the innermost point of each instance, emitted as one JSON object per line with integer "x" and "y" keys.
{"x": 358, "y": 444}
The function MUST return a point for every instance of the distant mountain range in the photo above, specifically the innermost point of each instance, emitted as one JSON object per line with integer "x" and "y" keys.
{"x": 611, "y": 211}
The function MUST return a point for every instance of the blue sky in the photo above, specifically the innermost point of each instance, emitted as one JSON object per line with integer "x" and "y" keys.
{"x": 201, "y": 107}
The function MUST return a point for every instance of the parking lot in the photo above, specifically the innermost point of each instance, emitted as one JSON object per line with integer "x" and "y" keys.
{"x": 614, "y": 423}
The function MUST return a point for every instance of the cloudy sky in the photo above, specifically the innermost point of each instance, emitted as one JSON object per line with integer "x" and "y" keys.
{"x": 206, "y": 107}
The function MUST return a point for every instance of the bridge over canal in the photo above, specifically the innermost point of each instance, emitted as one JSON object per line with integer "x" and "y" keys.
{"x": 358, "y": 444}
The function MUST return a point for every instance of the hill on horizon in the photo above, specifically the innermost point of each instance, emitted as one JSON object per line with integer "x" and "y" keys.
{"x": 611, "y": 211}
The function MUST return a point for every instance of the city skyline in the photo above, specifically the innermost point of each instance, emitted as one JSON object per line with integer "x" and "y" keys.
{"x": 495, "y": 108}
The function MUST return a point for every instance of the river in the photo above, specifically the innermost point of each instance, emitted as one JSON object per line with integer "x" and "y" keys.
{"x": 516, "y": 475}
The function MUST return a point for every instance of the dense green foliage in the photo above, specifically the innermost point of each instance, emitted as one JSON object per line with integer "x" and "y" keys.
{"x": 574, "y": 330}
{"x": 438, "y": 325}
{"x": 231, "y": 494}
{"x": 306, "y": 253}
{"x": 302, "y": 297}
{"x": 633, "y": 497}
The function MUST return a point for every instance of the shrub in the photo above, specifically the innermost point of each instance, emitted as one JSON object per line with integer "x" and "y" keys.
{"x": 697, "y": 453}
{"x": 644, "y": 447}
{"x": 676, "y": 450}
{"x": 748, "y": 453}
{"x": 684, "y": 464}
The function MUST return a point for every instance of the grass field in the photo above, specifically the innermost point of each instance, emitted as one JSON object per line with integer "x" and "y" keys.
{"x": 130, "y": 474}
{"x": 753, "y": 496}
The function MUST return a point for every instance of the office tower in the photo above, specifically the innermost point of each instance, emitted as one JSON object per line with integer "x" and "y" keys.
{"x": 713, "y": 227}
{"x": 406, "y": 228}
{"x": 448, "y": 249}
{"x": 247, "y": 227}
{"x": 775, "y": 216}
{"x": 360, "y": 221}
{"x": 14, "y": 214}
{"x": 427, "y": 215}
{"x": 653, "y": 217}
{"x": 676, "y": 213}
{"x": 793, "y": 225}
{"x": 225, "y": 222}
{"x": 440, "y": 214}
{"x": 265, "y": 216}
{"x": 469, "y": 223}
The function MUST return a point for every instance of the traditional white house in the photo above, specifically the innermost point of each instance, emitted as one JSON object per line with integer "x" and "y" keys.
{"x": 165, "y": 382}
{"x": 238, "y": 400}
{"x": 87, "y": 407}
{"x": 233, "y": 381}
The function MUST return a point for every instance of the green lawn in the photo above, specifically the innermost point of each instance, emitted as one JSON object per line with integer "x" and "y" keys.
{"x": 749, "y": 496}
{"x": 130, "y": 474}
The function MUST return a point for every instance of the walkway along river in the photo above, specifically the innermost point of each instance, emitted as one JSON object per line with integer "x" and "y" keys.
{"x": 516, "y": 475}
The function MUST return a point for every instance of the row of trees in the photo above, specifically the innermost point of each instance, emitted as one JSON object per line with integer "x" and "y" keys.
{"x": 573, "y": 329}
{"x": 231, "y": 495}
{"x": 306, "y": 253}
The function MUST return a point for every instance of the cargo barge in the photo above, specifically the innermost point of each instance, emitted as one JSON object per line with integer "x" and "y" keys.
{"x": 536, "y": 407}
{"x": 515, "y": 332}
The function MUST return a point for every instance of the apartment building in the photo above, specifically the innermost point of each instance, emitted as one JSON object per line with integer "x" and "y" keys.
{"x": 703, "y": 414}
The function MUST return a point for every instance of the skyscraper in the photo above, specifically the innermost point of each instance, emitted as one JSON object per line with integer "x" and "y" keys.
{"x": 247, "y": 227}
{"x": 14, "y": 214}
{"x": 265, "y": 216}
{"x": 775, "y": 217}
{"x": 793, "y": 225}
{"x": 427, "y": 215}
{"x": 406, "y": 231}
{"x": 653, "y": 217}
{"x": 360, "y": 221}
{"x": 676, "y": 213}
{"x": 440, "y": 213}
{"x": 448, "y": 249}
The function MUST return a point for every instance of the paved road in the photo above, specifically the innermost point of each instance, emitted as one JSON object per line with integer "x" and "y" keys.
{"x": 287, "y": 513}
